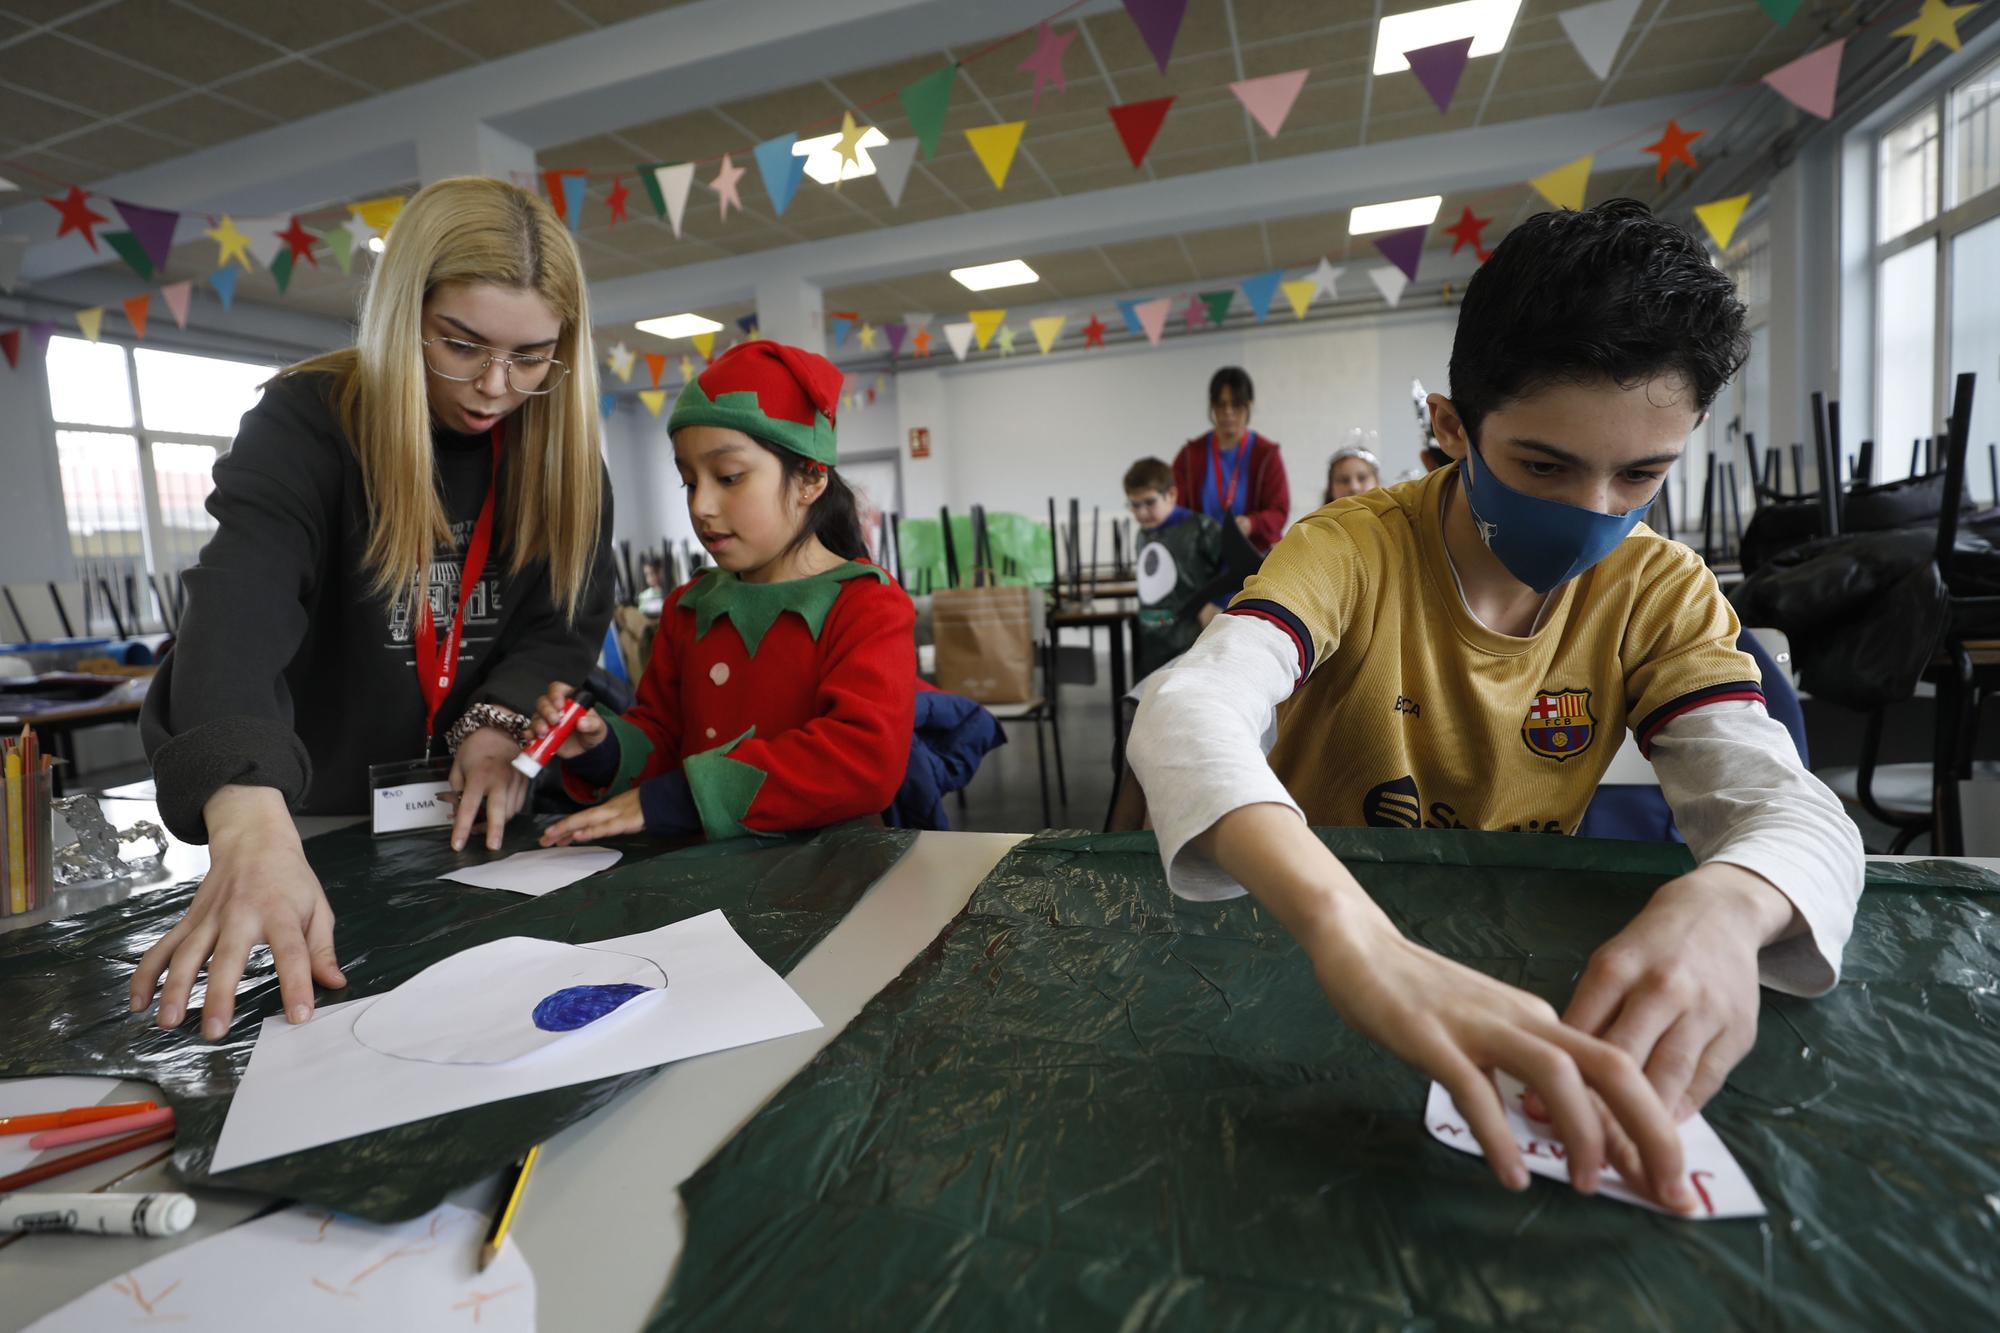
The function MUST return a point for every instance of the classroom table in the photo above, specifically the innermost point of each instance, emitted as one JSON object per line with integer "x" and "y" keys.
{"x": 1117, "y": 614}
{"x": 57, "y": 725}
{"x": 601, "y": 1224}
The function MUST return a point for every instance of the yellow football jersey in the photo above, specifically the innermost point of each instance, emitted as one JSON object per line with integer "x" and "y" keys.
{"x": 1410, "y": 712}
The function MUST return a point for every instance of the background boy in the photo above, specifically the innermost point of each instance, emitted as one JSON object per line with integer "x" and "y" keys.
{"x": 1178, "y": 553}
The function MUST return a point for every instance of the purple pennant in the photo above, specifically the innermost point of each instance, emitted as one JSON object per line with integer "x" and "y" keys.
{"x": 747, "y": 323}
{"x": 41, "y": 332}
{"x": 1159, "y": 23}
{"x": 896, "y": 334}
{"x": 153, "y": 228}
{"x": 1403, "y": 249}
{"x": 1439, "y": 68}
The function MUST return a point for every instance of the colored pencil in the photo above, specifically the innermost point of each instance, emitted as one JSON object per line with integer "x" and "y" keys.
{"x": 75, "y": 1115}
{"x": 17, "y": 853}
{"x": 99, "y": 1152}
{"x": 102, "y": 1129}
{"x": 498, "y": 1235}
{"x": 37, "y": 811}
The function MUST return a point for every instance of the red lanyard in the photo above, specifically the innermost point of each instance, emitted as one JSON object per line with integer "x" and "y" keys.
{"x": 437, "y": 669}
{"x": 1228, "y": 497}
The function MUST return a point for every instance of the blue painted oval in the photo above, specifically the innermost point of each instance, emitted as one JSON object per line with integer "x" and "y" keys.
{"x": 575, "y": 1006}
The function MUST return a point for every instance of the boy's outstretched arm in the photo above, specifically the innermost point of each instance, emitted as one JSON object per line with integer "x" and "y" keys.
{"x": 1226, "y": 823}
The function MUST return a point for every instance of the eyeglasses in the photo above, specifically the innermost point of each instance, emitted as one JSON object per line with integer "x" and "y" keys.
{"x": 456, "y": 359}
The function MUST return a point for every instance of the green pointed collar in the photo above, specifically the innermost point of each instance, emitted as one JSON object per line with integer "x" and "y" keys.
{"x": 754, "y": 607}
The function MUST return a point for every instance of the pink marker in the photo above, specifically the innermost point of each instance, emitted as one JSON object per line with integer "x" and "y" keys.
{"x": 538, "y": 753}
{"x": 102, "y": 1129}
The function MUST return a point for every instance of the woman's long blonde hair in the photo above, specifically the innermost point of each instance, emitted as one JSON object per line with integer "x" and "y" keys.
{"x": 471, "y": 229}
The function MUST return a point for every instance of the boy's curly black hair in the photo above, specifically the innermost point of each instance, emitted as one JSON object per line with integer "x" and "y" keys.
{"x": 1610, "y": 293}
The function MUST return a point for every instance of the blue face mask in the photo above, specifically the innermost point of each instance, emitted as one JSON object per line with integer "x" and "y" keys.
{"x": 1541, "y": 542}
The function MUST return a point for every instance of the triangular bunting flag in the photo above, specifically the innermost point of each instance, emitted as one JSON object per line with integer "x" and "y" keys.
{"x": 1300, "y": 292}
{"x": 668, "y": 187}
{"x": 781, "y": 168}
{"x": 1597, "y": 31}
{"x": 40, "y": 332}
{"x": 607, "y": 403}
{"x": 748, "y": 323}
{"x": 1130, "y": 311}
{"x": 1439, "y": 68}
{"x": 153, "y": 226}
{"x": 91, "y": 321}
{"x": 1566, "y": 185}
{"x": 1139, "y": 124}
{"x": 650, "y": 183}
{"x": 555, "y": 186}
{"x": 10, "y": 343}
{"x": 1720, "y": 218}
{"x": 1153, "y": 317}
{"x": 281, "y": 271}
{"x": 960, "y": 337}
{"x": 177, "y": 295}
{"x": 1404, "y": 249}
{"x": 1218, "y": 304}
{"x": 984, "y": 324}
{"x": 380, "y": 214}
{"x": 136, "y": 310}
{"x": 1808, "y": 83}
{"x": 341, "y": 241}
{"x": 1259, "y": 290}
{"x": 705, "y": 344}
{"x": 574, "y": 186}
{"x": 843, "y": 324}
{"x": 1327, "y": 278}
{"x": 892, "y": 167}
{"x": 1159, "y": 23}
{"x": 925, "y": 103}
{"x": 128, "y": 248}
{"x": 224, "y": 282}
{"x": 261, "y": 239}
{"x": 654, "y": 399}
{"x": 1269, "y": 99}
{"x": 1390, "y": 282}
{"x": 656, "y": 366}
{"x": 1779, "y": 11}
{"x": 994, "y": 145}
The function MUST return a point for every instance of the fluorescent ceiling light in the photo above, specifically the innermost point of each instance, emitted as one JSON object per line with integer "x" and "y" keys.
{"x": 1394, "y": 215}
{"x": 1486, "y": 22}
{"x": 985, "y": 277}
{"x": 823, "y": 160}
{"x": 677, "y": 326}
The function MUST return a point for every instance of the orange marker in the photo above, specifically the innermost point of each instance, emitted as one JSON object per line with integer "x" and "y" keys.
{"x": 76, "y": 1115}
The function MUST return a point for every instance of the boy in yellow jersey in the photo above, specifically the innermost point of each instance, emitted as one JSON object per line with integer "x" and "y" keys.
{"x": 1463, "y": 651}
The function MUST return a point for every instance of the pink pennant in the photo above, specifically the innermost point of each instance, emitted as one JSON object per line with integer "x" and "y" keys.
{"x": 1269, "y": 99}
{"x": 1439, "y": 68}
{"x": 1153, "y": 317}
{"x": 1808, "y": 83}
{"x": 176, "y": 295}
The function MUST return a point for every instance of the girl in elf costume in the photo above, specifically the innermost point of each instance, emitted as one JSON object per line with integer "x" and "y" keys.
{"x": 781, "y": 689}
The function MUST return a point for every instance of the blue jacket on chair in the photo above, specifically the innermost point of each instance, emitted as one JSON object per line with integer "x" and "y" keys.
{"x": 951, "y": 736}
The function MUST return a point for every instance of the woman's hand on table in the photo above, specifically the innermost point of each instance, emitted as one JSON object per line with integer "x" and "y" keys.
{"x": 258, "y": 890}
{"x": 619, "y": 815}
{"x": 483, "y": 773}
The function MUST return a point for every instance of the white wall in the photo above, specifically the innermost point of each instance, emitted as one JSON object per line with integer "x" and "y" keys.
{"x": 1008, "y": 434}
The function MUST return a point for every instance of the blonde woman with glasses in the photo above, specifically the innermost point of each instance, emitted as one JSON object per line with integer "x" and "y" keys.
{"x": 412, "y": 540}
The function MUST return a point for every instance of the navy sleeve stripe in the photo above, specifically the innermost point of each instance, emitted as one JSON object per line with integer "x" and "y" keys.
{"x": 1284, "y": 620}
{"x": 1687, "y": 703}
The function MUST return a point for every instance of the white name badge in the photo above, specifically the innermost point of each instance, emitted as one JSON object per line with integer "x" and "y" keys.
{"x": 412, "y": 795}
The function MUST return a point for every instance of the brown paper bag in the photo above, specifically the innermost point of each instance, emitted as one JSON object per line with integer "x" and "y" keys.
{"x": 985, "y": 643}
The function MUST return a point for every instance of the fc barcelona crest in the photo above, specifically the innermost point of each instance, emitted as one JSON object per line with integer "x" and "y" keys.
{"x": 1559, "y": 725}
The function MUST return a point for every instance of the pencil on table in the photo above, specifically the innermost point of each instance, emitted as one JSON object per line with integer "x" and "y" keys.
{"x": 100, "y": 1152}
{"x": 17, "y": 868}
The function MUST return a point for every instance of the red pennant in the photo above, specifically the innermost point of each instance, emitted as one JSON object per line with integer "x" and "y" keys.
{"x": 77, "y": 214}
{"x": 1139, "y": 124}
{"x": 656, "y": 366}
{"x": 10, "y": 343}
{"x": 135, "y": 311}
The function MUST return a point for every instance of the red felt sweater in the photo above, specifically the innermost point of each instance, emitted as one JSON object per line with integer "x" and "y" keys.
{"x": 1269, "y": 505}
{"x": 778, "y": 706}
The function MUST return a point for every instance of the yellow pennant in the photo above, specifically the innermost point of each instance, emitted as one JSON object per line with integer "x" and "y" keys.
{"x": 1721, "y": 217}
{"x": 1300, "y": 292}
{"x": 984, "y": 323}
{"x": 1564, "y": 187}
{"x": 995, "y": 145}
{"x": 705, "y": 344}
{"x": 1047, "y": 329}
{"x": 654, "y": 399}
{"x": 90, "y": 321}
{"x": 380, "y": 213}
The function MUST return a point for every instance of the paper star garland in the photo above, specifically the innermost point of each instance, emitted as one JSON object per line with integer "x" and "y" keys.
{"x": 1466, "y": 231}
{"x": 1936, "y": 24}
{"x": 615, "y": 201}
{"x": 867, "y": 335}
{"x": 1093, "y": 332}
{"x": 77, "y": 215}
{"x": 299, "y": 242}
{"x": 1046, "y": 61}
{"x": 1672, "y": 147}
{"x": 724, "y": 185}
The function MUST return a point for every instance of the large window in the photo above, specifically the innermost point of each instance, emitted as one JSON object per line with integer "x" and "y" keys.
{"x": 1908, "y": 194}
{"x": 137, "y": 435}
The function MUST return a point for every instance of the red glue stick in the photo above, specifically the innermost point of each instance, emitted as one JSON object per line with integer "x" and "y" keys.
{"x": 538, "y": 753}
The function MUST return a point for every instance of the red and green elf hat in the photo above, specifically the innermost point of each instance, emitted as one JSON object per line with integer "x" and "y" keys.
{"x": 783, "y": 395}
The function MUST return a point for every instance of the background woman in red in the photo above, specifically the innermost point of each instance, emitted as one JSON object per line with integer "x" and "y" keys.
{"x": 1231, "y": 473}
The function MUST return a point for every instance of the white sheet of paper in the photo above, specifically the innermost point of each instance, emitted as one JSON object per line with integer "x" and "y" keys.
{"x": 316, "y": 1084}
{"x": 541, "y": 871}
{"x": 1719, "y": 1183}
{"x": 38, "y": 1096}
{"x": 310, "y": 1271}
{"x": 478, "y": 1007}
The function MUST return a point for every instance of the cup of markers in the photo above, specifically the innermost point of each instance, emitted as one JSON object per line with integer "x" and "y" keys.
{"x": 27, "y": 858}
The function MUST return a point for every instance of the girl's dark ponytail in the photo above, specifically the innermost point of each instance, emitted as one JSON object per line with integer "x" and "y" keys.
{"x": 834, "y": 518}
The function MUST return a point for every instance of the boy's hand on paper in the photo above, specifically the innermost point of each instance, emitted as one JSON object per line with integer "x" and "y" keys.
{"x": 483, "y": 773}
{"x": 258, "y": 890}
{"x": 1676, "y": 990}
{"x": 621, "y": 814}
{"x": 590, "y": 728}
